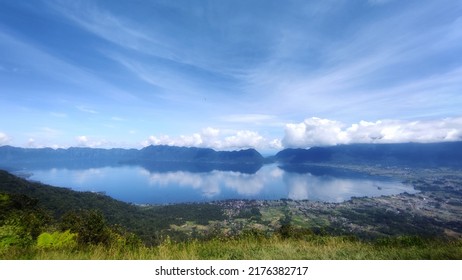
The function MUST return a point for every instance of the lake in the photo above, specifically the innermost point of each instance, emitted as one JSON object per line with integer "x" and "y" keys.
{"x": 140, "y": 185}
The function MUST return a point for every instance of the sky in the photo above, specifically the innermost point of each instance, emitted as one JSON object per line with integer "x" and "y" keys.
{"x": 229, "y": 74}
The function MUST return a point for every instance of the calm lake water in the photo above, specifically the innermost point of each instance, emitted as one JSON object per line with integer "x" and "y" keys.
{"x": 136, "y": 184}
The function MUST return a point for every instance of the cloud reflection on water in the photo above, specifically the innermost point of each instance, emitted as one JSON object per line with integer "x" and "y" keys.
{"x": 210, "y": 184}
{"x": 332, "y": 189}
{"x": 280, "y": 183}
{"x": 136, "y": 184}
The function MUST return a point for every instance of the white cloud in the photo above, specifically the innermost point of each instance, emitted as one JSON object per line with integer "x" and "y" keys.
{"x": 313, "y": 131}
{"x": 4, "y": 139}
{"x": 31, "y": 143}
{"x": 216, "y": 139}
{"x": 210, "y": 132}
{"x": 324, "y": 132}
{"x": 34, "y": 144}
{"x": 82, "y": 140}
{"x": 275, "y": 144}
{"x": 244, "y": 139}
{"x": 85, "y": 141}
{"x": 194, "y": 140}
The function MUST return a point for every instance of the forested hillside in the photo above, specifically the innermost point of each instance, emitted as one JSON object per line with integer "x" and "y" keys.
{"x": 145, "y": 222}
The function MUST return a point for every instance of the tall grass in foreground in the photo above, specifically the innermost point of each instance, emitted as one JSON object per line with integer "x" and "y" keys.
{"x": 256, "y": 248}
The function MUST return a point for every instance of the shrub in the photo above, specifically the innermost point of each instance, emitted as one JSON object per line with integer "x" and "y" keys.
{"x": 89, "y": 225}
{"x": 57, "y": 239}
{"x": 290, "y": 231}
{"x": 12, "y": 235}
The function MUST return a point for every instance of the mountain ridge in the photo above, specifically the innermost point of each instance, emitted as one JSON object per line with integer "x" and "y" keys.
{"x": 75, "y": 157}
{"x": 414, "y": 154}
{"x": 400, "y": 154}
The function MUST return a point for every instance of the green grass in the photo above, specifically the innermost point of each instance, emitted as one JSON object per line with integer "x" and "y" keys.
{"x": 257, "y": 248}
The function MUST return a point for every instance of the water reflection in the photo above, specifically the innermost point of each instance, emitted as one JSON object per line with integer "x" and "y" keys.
{"x": 332, "y": 189}
{"x": 200, "y": 167}
{"x": 138, "y": 184}
{"x": 210, "y": 184}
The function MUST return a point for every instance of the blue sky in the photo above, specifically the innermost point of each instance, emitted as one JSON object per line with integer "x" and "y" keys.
{"x": 229, "y": 74}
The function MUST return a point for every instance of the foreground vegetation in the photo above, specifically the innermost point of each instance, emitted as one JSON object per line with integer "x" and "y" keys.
{"x": 28, "y": 232}
{"x": 252, "y": 247}
{"x": 43, "y": 222}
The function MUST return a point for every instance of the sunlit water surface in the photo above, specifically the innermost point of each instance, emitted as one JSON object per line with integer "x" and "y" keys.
{"x": 137, "y": 185}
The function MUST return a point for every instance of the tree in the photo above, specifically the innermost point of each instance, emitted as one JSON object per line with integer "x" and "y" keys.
{"x": 89, "y": 225}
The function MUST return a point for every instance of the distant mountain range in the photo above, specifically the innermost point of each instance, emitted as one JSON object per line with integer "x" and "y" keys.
{"x": 170, "y": 158}
{"x": 164, "y": 158}
{"x": 403, "y": 154}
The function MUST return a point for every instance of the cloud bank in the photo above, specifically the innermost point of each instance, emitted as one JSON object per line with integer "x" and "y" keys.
{"x": 217, "y": 139}
{"x": 323, "y": 132}
{"x": 309, "y": 133}
{"x": 92, "y": 142}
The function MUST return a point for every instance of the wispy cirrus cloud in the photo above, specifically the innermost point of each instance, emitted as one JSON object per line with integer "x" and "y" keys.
{"x": 102, "y": 23}
{"x": 155, "y": 41}
{"x": 365, "y": 68}
{"x": 152, "y": 54}
{"x": 377, "y": 65}
{"x": 61, "y": 77}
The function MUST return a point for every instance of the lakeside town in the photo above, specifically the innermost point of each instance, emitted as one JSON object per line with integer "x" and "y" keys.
{"x": 435, "y": 210}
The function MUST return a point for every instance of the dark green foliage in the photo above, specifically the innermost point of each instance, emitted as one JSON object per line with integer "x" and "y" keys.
{"x": 121, "y": 237}
{"x": 251, "y": 214}
{"x": 91, "y": 228}
{"x": 290, "y": 231}
{"x": 89, "y": 225}
{"x": 14, "y": 235}
{"x": 201, "y": 213}
{"x": 392, "y": 223}
{"x": 21, "y": 220}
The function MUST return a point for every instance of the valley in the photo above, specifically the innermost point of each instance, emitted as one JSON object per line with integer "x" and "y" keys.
{"x": 431, "y": 212}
